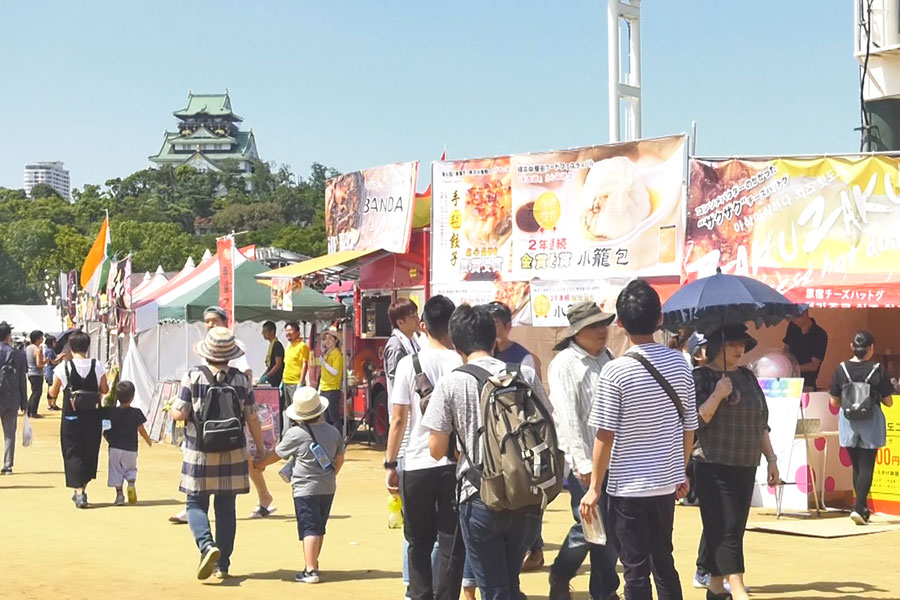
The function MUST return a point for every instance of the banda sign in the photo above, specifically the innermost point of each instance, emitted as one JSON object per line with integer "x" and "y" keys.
{"x": 371, "y": 209}
{"x": 599, "y": 211}
{"x": 823, "y": 231}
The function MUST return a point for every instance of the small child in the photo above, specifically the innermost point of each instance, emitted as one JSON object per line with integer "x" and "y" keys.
{"x": 126, "y": 423}
{"x": 317, "y": 450}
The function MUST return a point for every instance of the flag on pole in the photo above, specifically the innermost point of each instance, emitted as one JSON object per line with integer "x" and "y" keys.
{"x": 95, "y": 270}
{"x": 225, "y": 253}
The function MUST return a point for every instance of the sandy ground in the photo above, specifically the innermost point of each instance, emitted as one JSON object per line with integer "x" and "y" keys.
{"x": 52, "y": 550}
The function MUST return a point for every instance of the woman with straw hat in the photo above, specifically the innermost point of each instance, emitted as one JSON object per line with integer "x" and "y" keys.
{"x": 204, "y": 473}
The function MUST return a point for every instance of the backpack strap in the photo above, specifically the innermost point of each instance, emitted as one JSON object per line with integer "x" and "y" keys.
{"x": 670, "y": 391}
{"x": 417, "y": 365}
{"x": 846, "y": 372}
{"x": 481, "y": 375}
{"x": 210, "y": 378}
{"x": 872, "y": 372}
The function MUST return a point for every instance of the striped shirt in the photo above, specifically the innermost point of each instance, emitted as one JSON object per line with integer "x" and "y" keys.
{"x": 212, "y": 471}
{"x": 573, "y": 381}
{"x": 647, "y": 456}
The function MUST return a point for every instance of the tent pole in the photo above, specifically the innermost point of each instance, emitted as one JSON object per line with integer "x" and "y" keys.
{"x": 157, "y": 349}
{"x": 344, "y": 377}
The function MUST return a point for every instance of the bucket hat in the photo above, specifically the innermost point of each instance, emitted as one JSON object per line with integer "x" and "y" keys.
{"x": 307, "y": 405}
{"x": 582, "y": 315}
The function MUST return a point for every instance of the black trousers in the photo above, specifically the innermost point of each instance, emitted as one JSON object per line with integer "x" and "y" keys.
{"x": 643, "y": 530}
{"x": 863, "y": 461}
{"x": 725, "y": 493}
{"x": 37, "y": 390}
{"x": 428, "y": 516}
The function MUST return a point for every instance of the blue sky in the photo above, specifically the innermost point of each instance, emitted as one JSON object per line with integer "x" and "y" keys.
{"x": 358, "y": 84}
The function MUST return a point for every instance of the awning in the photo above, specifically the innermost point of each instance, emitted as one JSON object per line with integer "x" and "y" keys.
{"x": 314, "y": 265}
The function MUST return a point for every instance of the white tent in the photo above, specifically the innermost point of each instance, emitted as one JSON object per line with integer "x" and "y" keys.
{"x": 159, "y": 279}
{"x": 26, "y": 318}
{"x": 135, "y": 370}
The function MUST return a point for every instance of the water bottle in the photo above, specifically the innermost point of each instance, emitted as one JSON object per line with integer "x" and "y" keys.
{"x": 287, "y": 470}
{"x": 395, "y": 513}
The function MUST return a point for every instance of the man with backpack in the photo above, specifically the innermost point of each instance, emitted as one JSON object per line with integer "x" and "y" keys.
{"x": 645, "y": 413}
{"x": 573, "y": 377}
{"x": 13, "y": 393}
{"x": 428, "y": 485}
{"x": 215, "y": 402}
{"x": 510, "y": 466}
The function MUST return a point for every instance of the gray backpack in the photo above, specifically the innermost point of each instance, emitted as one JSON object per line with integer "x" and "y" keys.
{"x": 857, "y": 402}
{"x": 522, "y": 465}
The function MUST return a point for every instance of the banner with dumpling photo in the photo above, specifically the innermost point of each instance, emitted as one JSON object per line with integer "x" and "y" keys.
{"x": 599, "y": 211}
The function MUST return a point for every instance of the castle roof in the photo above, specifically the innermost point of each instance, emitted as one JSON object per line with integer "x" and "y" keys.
{"x": 213, "y": 105}
{"x": 243, "y": 142}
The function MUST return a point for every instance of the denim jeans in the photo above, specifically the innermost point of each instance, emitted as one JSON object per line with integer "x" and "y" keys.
{"x": 574, "y": 549}
{"x": 496, "y": 544}
{"x": 226, "y": 523}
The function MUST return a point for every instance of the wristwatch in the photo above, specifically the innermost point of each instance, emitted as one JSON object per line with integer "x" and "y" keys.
{"x": 390, "y": 464}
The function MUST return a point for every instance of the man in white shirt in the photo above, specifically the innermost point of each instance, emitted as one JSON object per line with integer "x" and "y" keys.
{"x": 645, "y": 413}
{"x": 427, "y": 485}
{"x": 573, "y": 377}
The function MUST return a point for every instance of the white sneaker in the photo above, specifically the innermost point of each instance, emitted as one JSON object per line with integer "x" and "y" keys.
{"x": 307, "y": 576}
{"x": 857, "y": 518}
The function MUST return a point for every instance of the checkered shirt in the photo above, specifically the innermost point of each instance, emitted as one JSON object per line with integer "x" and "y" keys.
{"x": 212, "y": 471}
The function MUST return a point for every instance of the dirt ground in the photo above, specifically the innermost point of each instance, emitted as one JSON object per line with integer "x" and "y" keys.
{"x": 52, "y": 550}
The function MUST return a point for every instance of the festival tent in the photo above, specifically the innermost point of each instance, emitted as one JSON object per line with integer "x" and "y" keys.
{"x": 252, "y": 301}
{"x": 144, "y": 282}
{"x": 159, "y": 279}
{"x": 27, "y": 318}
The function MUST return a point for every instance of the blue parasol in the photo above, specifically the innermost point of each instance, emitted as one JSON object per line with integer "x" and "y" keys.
{"x": 713, "y": 302}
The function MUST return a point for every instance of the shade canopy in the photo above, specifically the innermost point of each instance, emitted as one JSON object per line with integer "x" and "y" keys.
{"x": 252, "y": 301}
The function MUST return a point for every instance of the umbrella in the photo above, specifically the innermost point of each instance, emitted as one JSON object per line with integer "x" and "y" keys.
{"x": 713, "y": 302}
{"x": 63, "y": 339}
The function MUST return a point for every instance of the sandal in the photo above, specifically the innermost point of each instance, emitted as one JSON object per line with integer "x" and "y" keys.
{"x": 262, "y": 511}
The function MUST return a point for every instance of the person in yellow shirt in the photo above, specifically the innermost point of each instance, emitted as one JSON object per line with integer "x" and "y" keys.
{"x": 296, "y": 362}
{"x": 332, "y": 373}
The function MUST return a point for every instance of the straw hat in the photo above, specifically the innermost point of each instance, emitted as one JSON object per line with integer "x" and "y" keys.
{"x": 219, "y": 346}
{"x": 582, "y": 315}
{"x": 307, "y": 405}
{"x": 333, "y": 332}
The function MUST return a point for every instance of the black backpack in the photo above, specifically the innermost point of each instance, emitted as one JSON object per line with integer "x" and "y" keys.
{"x": 9, "y": 377}
{"x": 220, "y": 420}
{"x": 857, "y": 400}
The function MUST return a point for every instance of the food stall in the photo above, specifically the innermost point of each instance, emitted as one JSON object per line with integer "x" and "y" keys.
{"x": 378, "y": 240}
{"x": 542, "y": 231}
{"x": 825, "y": 231}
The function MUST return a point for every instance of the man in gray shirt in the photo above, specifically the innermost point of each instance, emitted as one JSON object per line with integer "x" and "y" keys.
{"x": 13, "y": 393}
{"x": 495, "y": 540}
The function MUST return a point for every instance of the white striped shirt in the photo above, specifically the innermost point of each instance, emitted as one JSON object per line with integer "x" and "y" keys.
{"x": 648, "y": 450}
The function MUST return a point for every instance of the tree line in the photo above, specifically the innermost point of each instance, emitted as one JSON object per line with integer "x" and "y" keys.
{"x": 159, "y": 216}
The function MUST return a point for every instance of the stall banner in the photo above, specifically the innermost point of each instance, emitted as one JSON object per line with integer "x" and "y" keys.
{"x": 281, "y": 294}
{"x": 551, "y": 300}
{"x": 783, "y": 400}
{"x": 885, "y": 493}
{"x": 512, "y": 293}
{"x": 371, "y": 209}
{"x": 823, "y": 231}
{"x": 225, "y": 254}
{"x": 572, "y": 214}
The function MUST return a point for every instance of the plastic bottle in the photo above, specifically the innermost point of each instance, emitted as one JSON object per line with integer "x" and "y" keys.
{"x": 395, "y": 514}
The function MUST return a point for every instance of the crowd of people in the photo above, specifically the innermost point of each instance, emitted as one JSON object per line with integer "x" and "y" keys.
{"x": 628, "y": 435}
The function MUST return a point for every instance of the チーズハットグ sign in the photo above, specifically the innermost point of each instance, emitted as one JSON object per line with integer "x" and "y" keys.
{"x": 824, "y": 231}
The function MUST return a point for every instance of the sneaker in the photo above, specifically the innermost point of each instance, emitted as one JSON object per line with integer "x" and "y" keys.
{"x": 534, "y": 561}
{"x": 701, "y": 580}
{"x": 132, "y": 495}
{"x": 221, "y": 574}
{"x": 307, "y": 576}
{"x": 261, "y": 512}
{"x": 208, "y": 560}
{"x": 120, "y": 499}
{"x": 179, "y": 518}
{"x": 80, "y": 500}
{"x": 559, "y": 588}
{"x": 858, "y": 518}
{"x": 6, "y": 471}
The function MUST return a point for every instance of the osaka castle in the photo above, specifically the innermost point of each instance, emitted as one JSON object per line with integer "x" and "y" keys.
{"x": 207, "y": 136}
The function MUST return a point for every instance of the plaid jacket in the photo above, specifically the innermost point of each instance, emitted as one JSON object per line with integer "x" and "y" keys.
{"x": 212, "y": 471}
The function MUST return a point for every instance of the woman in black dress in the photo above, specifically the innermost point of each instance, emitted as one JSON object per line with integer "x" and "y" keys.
{"x": 83, "y": 382}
